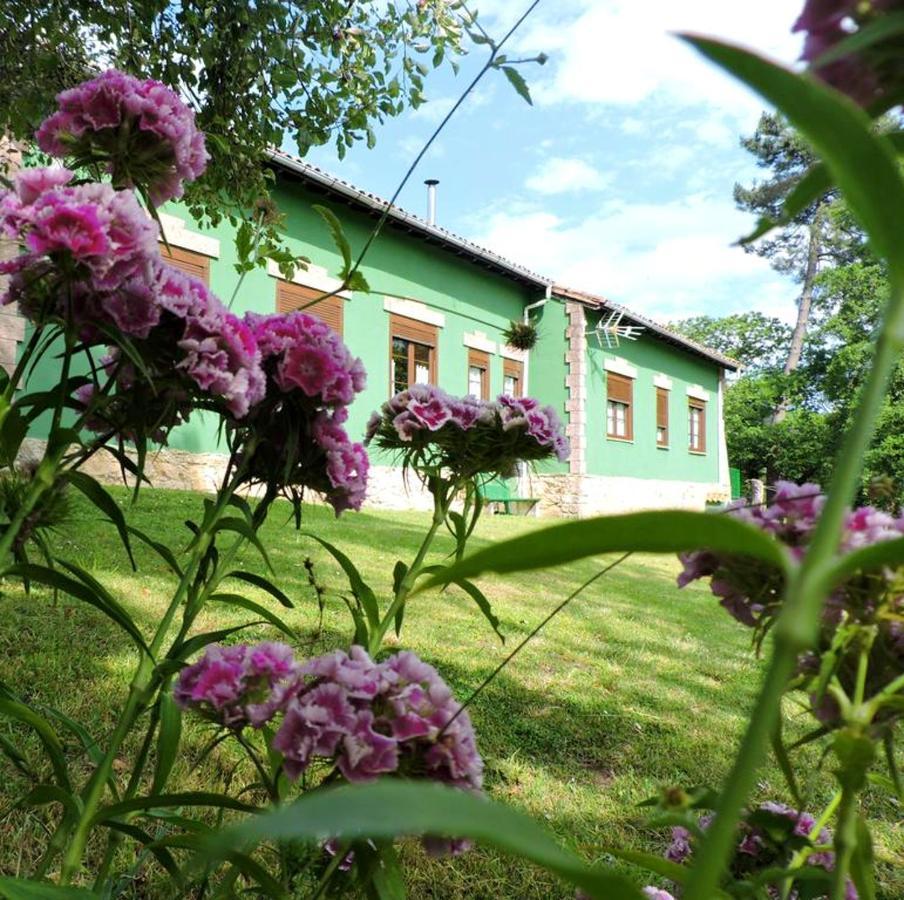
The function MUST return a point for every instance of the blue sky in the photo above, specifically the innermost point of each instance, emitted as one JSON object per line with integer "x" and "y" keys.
{"x": 619, "y": 179}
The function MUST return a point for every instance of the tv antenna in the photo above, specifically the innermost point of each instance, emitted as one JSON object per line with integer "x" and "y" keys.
{"x": 612, "y": 331}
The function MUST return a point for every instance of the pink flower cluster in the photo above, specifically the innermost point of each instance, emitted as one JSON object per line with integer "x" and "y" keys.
{"x": 92, "y": 260}
{"x": 89, "y": 231}
{"x": 861, "y": 76}
{"x": 749, "y": 593}
{"x": 373, "y": 719}
{"x": 139, "y": 129}
{"x": 311, "y": 378}
{"x": 465, "y": 435}
{"x": 237, "y": 686}
{"x": 304, "y": 353}
{"x": 368, "y": 719}
{"x": 769, "y": 837}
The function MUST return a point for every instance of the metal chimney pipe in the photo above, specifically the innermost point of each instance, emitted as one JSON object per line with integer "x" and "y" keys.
{"x": 431, "y": 200}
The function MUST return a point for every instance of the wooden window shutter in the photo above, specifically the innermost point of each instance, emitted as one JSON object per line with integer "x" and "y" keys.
{"x": 662, "y": 417}
{"x": 481, "y": 360}
{"x": 291, "y": 296}
{"x": 619, "y": 388}
{"x": 412, "y": 330}
{"x": 191, "y": 263}
{"x": 514, "y": 368}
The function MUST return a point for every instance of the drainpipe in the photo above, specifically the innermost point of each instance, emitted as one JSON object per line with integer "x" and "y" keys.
{"x": 539, "y": 303}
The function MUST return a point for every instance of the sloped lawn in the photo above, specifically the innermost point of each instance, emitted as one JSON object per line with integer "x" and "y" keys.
{"x": 635, "y": 686}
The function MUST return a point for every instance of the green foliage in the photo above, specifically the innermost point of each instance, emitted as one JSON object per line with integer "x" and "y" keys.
{"x": 258, "y": 75}
{"x": 757, "y": 341}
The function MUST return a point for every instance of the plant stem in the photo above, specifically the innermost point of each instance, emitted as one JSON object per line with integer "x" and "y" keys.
{"x": 845, "y": 841}
{"x": 798, "y": 622}
{"x": 139, "y": 692}
{"x": 441, "y": 502}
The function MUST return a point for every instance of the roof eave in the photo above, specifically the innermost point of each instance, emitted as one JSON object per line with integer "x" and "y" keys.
{"x": 398, "y": 216}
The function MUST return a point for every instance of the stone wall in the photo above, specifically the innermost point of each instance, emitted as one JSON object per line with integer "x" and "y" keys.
{"x": 576, "y": 496}
{"x": 560, "y": 495}
{"x": 179, "y": 469}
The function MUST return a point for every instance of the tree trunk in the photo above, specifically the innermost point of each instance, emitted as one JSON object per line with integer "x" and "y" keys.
{"x": 804, "y": 305}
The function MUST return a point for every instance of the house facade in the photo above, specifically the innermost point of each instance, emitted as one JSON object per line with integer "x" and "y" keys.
{"x": 644, "y": 416}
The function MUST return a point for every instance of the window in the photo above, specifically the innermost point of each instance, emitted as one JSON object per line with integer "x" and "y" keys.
{"x": 512, "y": 377}
{"x": 662, "y": 417}
{"x": 479, "y": 374}
{"x": 619, "y": 407}
{"x": 412, "y": 356}
{"x": 696, "y": 425}
{"x": 290, "y": 296}
{"x": 187, "y": 261}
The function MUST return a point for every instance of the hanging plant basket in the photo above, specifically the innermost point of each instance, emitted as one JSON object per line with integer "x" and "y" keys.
{"x": 521, "y": 335}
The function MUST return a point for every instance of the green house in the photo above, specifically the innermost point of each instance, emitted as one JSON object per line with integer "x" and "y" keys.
{"x": 642, "y": 405}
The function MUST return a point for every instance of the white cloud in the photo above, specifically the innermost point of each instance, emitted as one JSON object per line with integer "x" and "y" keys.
{"x": 412, "y": 144}
{"x": 623, "y": 52}
{"x": 667, "y": 260}
{"x": 561, "y": 175}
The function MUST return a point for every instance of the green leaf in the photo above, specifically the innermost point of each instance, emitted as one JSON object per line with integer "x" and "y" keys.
{"x": 386, "y": 875}
{"x": 880, "y": 29}
{"x": 264, "y": 584}
{"x": 168, "y": 735}
{"x": 257, "y": 609}
{"x": 19, "y": 712}
{"x": 166, "y": 801}
{"x": 160, "y": 549}
{"x": 25, "y": 889}
{"x": 867, "y": 559}
{"x": 666, "y": 531}
{"x": 862, "y": 163}
{"x": 161, "y": 854}
{"x": 355, "y": 281}
{"x": 338, "y": 235}
{"x": 483, "y": 604}
{"x": 242, "y": 528}
{"x": 12, "y": 432}
{"x": 98, "y": 495}
{"x": 44, "y": 794}
{"x": 516, "y": 80}
{"x": 187, "y": 648}
{"x": 358, "y": 586}
{"x": 391, "y": 807}
{"x": 86, "y": 588}
{"x": 15, "y": 756}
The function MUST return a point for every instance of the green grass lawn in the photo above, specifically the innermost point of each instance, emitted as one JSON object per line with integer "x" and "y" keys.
{"x": 635, "y": 686}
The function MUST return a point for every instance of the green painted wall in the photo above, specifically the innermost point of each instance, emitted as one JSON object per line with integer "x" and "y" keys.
{"x": 546, "y": 367}
{"x": 472, "y": 298}
{"x": 641, "y": 457}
